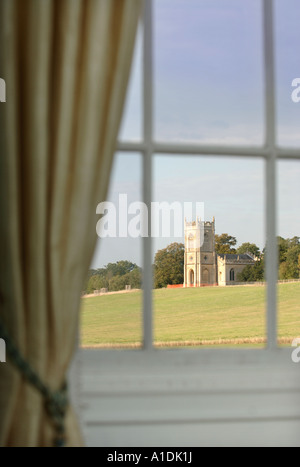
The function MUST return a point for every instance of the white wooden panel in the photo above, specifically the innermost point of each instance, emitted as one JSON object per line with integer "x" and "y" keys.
{"x": 261, "y": 433}
{"x": 190, "y": 399}
{"x": 217, "y": 380}
{"x": 191, "y": 408}
{"x": 183, "y": 371}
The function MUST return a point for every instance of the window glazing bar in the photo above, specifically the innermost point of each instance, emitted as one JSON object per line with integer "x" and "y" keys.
{"x": 182, "y": 149}
{"x": 288, "y": 153}
{"x": 147, "y": 174}
{"x": 271, "y": 191}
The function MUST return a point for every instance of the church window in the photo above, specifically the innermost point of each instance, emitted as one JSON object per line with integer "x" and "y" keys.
{"x": 192, "y": 275}
{"x": 205, "y": 279}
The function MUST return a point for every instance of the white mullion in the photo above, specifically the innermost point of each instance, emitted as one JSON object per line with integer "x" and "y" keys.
{"x": 174, "y": 149}
{"x": 182, "y": 149}
{"x": 288, "y": 153}
{"x": 147, "y": 175}
{"x": 271, "y": 205}
{"x": 211, "y": 150}
{"x": 271, "y": 253}
{"x": 131, "y": 146}
{"x": 269, "y": 61}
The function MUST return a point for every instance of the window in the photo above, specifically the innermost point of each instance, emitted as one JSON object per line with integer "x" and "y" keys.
{"x": 289, "y": 250}
{"x": 265, "y": 148}
{"x": 203, "y": 395}
{"x": 150, "y": 147}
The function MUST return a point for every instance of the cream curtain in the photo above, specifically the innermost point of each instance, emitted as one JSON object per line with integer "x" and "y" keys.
{"x": 66, "y": 65}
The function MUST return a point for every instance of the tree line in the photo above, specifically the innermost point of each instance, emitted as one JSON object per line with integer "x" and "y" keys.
{"x": 169, "y": 262}
{"x": 168, "y": 267}
{"x": 114, "y": 277}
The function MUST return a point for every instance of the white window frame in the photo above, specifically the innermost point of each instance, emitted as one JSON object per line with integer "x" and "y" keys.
{"x": 269, "y": 151}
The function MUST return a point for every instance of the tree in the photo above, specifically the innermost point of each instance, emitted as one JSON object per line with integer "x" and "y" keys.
{"x": 169, "y": 265}
{"x": 133, "y": 278}
{"x": 252, "y": 273}
{"x": 224, "y": 244}
{"x": 114, "y": 276}
{"x": 283, "y": 245}
{"x": 283, "y": 271}
{"x": 289, "y": 253}
{"x": 117, "y": 283}
{"x": 249, "y": 248}
{"x": 119, "y": 268}
{"x": 96, "y": 282}
{"x": 292, "y": 262}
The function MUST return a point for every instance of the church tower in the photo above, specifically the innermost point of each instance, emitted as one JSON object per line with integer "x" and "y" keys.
{"x": 199, "y": 257}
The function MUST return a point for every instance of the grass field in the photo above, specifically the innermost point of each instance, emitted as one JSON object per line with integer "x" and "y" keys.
{"x": 190, "y": 317}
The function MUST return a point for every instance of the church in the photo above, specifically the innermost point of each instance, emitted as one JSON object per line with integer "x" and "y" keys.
{"x": 202, "y": 265}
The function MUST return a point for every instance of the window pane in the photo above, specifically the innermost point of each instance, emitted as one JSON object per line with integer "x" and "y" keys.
{"x": 206, "y": 295}
{"x": 208, "y": 71}
{"x": 132, "y": 122}
{"x": 287, "y": 70}
{"x": 111, "y": 307}
{"x": 289, "y": 251}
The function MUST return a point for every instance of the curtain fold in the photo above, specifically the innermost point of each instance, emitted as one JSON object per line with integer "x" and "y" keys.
{"x": 66, "y": 65}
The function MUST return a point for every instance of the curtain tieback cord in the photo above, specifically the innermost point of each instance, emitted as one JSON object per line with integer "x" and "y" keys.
{"x": 56, "y": 402}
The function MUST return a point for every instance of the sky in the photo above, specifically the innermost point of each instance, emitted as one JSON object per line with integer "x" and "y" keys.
{"x": 208, "y": 88}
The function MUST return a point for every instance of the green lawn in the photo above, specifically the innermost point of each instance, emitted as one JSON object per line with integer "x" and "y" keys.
{"x": 208, "y": 315}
